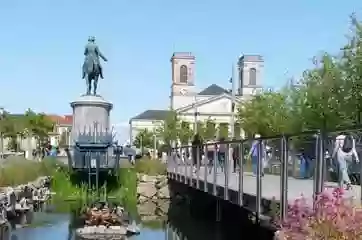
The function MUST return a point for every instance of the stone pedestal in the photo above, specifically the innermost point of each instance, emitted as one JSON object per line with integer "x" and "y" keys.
{"x": 90, "y": 113}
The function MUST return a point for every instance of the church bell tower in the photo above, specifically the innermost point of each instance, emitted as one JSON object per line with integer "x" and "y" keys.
{"x": 183, "y": 86}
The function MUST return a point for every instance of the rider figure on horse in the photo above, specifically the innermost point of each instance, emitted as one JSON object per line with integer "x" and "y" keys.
{"x": 92, "y": 54}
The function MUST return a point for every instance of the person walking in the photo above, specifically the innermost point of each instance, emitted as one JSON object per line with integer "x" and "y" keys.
{"x": 210, "y": 154}
{"x": 236, "y": 155}
{"x": 345, "y": 150}
{"x": 254, "y": 154}
{"x": 196, "y": 151}
{"x": 222, "y": 153}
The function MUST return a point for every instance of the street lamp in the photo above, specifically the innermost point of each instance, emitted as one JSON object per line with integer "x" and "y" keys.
{"x": 154, "y": 145}
{"x": 1, "y": 134}
{"x": 196, "y": 113}
{"x": 233, "y": 101}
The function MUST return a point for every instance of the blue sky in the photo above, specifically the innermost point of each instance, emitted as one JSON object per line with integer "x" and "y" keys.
{"x": 42, "y": 41}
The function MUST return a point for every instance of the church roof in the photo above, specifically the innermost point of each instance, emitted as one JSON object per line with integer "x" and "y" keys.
{"x": 212, "y": 90}
{"x": 152, "y": 115}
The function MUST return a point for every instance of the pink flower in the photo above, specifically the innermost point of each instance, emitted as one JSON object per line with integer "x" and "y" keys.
{"x": 332, "y": 217}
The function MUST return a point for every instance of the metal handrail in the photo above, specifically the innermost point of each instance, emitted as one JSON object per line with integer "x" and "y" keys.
{"x": 320, "y": 140}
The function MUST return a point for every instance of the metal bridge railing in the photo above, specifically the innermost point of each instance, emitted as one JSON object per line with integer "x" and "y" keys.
{"x": 276, "y": 172}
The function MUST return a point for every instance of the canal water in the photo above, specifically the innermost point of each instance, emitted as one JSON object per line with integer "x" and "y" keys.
{"x": 55, "y": 226}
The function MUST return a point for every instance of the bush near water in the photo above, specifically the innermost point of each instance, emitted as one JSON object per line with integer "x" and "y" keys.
{"x": 16, "y": 170}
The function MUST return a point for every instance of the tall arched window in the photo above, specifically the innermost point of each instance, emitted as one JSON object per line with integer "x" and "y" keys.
{"x": 183, "y": 74}
{"x": 252, "y": 76}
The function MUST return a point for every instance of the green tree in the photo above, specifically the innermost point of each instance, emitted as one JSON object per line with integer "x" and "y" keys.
{"x": 169, "y": 132}
{"x": 144, "y": 139}
{"x": 185, "y": 133}
{"x": 201, "y": 128}
{"x": 264, "y": 114}
{"x": 328, "y": 96}
{"x": 351, "y": 66}
{"x": 223, "y": 130}
{"x": 39, "y": 125}
{"x": 210, "y": 129}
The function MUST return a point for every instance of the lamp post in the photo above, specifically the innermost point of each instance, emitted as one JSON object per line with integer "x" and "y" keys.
{"x": 1, "y": 135}
{"x": 196, "y": 113}
{"x": 233, "y": 101}
{"x": 154, "y": 145}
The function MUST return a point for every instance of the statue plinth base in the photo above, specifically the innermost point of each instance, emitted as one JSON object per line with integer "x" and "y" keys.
{"x": 90, "y": 113}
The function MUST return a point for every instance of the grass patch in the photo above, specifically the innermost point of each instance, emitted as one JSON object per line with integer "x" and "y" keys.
{"x": 127, "y": 178}
{"x": 65, "y": 188}
{"x": 150, "y": 167}
{"x": 17, "y": 170}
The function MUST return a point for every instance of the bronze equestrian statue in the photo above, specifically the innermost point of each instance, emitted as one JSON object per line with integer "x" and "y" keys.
{"x": 92, "y": 68}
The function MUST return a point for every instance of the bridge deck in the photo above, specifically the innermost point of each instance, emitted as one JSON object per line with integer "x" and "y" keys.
{"x": 270, "y": 183}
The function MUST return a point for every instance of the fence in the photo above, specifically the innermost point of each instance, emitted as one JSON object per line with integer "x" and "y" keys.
{"x": 284, "y": 159}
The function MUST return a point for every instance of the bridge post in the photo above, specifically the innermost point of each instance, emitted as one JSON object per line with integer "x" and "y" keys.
{"x": 184, "y": 162}
{"x": 241, "y": 174}
{"x": 174, "y": 234}
{"x": 218, "y": 210}
{"x": 215, "y": 162}
{"x": 226, "y": 172}
{"x": 259, "y": 180}
{"x": 206, "y": 163}
{"x": 198, "y": 167}
{"x": 191, "y": 168}
{"x": 284, "y": 178}
{"x": 319, "y": 168}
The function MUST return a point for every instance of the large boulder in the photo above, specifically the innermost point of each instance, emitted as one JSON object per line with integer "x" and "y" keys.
{"x": 147, "y": 208}
{"x": 163, "y": 193}
{"x": 146, "y": 189}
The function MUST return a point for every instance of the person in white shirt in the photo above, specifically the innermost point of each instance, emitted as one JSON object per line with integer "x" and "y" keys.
{"x": 345, "y": 156}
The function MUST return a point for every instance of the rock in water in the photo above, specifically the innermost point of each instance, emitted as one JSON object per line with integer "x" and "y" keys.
{"x": 102, "y": 222}
{"x": 102, "y": 232}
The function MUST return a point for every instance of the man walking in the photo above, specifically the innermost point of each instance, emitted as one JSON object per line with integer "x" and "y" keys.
{"x": 345, "y": 149}
{"x": 255, "y": 153}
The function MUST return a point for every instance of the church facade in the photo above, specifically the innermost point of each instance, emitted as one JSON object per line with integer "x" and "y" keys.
{"x": 213, "y": 102}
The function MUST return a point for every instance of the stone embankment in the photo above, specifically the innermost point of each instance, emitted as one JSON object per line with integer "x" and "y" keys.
{"x": 18, "y": 203}
{"x": 153, "y": 196}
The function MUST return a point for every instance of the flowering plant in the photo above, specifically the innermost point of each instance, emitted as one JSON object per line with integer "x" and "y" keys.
{"x": 333, "y": 217}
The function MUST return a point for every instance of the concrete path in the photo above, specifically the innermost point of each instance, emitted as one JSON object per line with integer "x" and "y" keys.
{"x": 270, "y": 184}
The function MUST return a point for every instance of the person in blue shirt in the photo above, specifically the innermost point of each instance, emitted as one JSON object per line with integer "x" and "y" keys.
{"x": 254, "y": 154}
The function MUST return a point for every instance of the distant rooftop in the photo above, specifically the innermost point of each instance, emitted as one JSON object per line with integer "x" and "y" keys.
{"x": 152, "y": 115}
{"x": 213, "y": 90}
{"x": 251, "y": 58}
{"x": 182, "y": 55}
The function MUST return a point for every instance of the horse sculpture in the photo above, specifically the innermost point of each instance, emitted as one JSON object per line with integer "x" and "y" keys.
{"x": 91, "y": 73}
{"x": 92, "y": 68}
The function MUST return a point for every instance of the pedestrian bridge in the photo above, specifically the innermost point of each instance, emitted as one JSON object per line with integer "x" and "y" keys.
{"x": 280, "y": 184}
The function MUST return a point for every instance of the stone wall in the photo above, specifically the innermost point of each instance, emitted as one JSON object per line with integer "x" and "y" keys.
{"x": 21, "y": 200}
{"x": 153, "y": 196}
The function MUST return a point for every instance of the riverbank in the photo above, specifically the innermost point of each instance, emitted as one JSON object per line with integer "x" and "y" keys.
{"x": 18, "y": 203}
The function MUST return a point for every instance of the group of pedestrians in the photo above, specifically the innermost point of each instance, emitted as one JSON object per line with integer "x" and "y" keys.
{"x": 214, "y": 155}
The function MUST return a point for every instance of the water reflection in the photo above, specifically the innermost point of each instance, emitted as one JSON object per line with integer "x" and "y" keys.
{"x": 57, "y": 227}
{"x": 61, "y": 227}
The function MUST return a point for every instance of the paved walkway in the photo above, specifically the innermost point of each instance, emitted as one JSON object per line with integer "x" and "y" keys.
{"x": 270, "y": 184}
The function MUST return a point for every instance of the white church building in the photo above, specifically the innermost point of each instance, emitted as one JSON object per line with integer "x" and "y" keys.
{"x": 213, "y": 102}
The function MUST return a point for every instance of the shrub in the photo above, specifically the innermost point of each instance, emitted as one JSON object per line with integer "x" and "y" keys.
{"x": 17, "y": 170}
{"x": 333, "y": 217}
{"x": 150, "y": 166}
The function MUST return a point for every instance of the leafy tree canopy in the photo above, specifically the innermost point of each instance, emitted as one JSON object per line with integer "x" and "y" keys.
{"x": 328, "y": 96}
